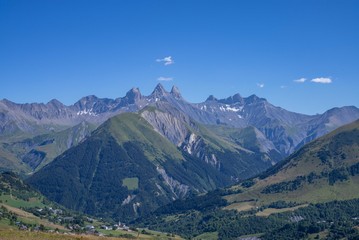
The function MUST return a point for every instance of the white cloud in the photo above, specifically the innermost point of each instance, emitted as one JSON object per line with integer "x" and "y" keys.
{"x": 321, "y": 80}
{"x": 300, "y": 80}
{"x": 166, "y": 60}
{"x": 261, "y": 85}
{"x": 282, "y": 87}
{"x": 165, "y": 79}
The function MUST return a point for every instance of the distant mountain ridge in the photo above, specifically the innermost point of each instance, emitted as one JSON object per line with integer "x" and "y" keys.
{"x": 283, "y": 130}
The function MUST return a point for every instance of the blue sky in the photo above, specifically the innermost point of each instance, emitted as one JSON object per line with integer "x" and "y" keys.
{"x": 70, "y": 48}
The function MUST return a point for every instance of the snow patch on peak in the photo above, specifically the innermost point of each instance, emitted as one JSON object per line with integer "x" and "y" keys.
{"x": 228, "y": 108}
{"x": 204, "y": 107}
{"x": 234, "y": 109}
{"x": 86, "y": 112}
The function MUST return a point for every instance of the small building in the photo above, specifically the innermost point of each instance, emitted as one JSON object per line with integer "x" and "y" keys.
{"x": 106, "y": 227}
{"x": 89, "y": 227}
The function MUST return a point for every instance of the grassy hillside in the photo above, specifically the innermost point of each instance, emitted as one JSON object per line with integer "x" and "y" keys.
{"x": 128, "y": 127}
{"x": 323, "y": 170}
{"x": 311, "y": 195}
{"x": 331, "y": 220}
{"x": 20, "y": 206}
{"x": 23, "y": 209}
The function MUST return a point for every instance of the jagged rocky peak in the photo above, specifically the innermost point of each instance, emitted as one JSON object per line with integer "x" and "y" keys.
{"x": 254, "y": 98}
{"x": 211, "y": 98}
{"x": 55, "y": 103}
{"x": 89, "y": 98}
{"x": 7, "y": 102}
{"x": 133, "y": 95}
{"x": 237, "y": 98}
{"x": 176, "y": 92}
{"x": 159, "y": 91}
{"x": 86, "y": 102}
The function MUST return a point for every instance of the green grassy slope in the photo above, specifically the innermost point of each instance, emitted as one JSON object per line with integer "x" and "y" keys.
{"x": 129, "y": 127}
{"x": 21, "y": 206}
{"x": 18, "y": 202}
{"x": 314, "y": 192}
{"x": 323, "y": 170}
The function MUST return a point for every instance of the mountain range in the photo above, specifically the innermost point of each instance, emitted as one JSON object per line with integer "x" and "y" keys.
{"x": 32, "y": 135}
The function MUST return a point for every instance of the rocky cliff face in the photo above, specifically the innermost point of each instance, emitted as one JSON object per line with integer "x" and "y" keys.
{"x": 178, "y": 189}
{"x": 173, "y": 128}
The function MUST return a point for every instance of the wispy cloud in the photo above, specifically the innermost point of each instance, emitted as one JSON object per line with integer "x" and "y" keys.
{"x": 300, "y": 80}
{"x": 166, "y": 60}
{"x": 165, "y": 79}
{"x": 282, "y": 87}
{"x": 321, "y": 80}
{"x": 260, "y": 85}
